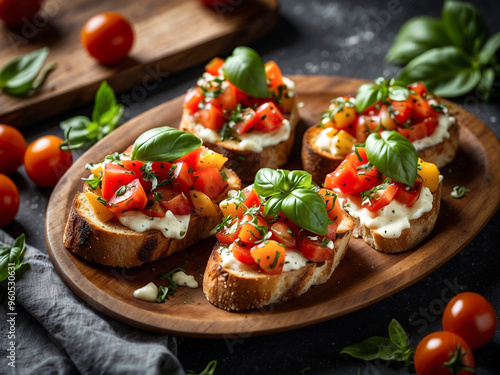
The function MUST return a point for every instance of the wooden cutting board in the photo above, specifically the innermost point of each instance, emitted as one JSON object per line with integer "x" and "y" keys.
{"x": 170, "y": 35}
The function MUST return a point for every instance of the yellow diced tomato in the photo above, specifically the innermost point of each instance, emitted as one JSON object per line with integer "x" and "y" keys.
{"x": 344, "y": 143}
{"x": 428, "y": 174}
{"x": 100, "y": 209}
{"x": 270, "y": 256}
{"x": 97, "y": 170}
{"x": 333, "y": 208}
{"x": 231, "y": 207}
{"x": 210, "y": 159}
{"x": 203, "y": 205}
{"x": 345, "y": 117}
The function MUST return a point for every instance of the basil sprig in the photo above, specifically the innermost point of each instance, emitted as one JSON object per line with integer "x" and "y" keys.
{"x": 80, "y": 131}
{"x": 292, "y": 193}
{"x": 164, "y": 144}
{"x": 370, "y": 93}
{"x": 393, "y": 155}
{"x": 19, "y": 76}
{"x": 452, "y": 55}
{"x": 245, "y": 69}
{"x": 12, "y": 256}
{"x": 396, "y": 347}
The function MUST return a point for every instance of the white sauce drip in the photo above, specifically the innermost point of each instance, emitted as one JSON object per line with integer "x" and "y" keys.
{"x": 391, "y": 220}
{"x": 171, "y": 226}
{"x": 181, "y": 279}
{"x": 148, "y": 292}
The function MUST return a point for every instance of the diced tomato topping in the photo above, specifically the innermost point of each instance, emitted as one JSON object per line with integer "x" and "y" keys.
{"x": 213, "y": 67}
{"x": 408, "y": 196}
{"x": 253, "y": 229}
{"x": 383, "y": 199}
{"x": 154, "y": 207}
{"x": 385, "y": 118}
{"x": 274, "y": 77}
{"x": 419, "y": 88}
{"x": 182, "y": 176}
{"x": 283, "y": 234}
{"x": 431, "y": 124}
{"x": 269, "y": 116}
{"x": 331, "y": 232}
{"x": 401, "y": 112}
{"x": 421, "y": 108}
{"x": 178, "y": 205}
{"x": 313, "y": 246}
{"x": 210, "y": 182}
{"x": 333, "y": 208}
{"x": 414, "y": 132}
{"x": 113, "y": 177}
{"x": 229, "y": 234}
{"x": 248, "y": 122}
{"x": 210, "y": 116}
{"x": 251, "y": 198}
{"x": 227, "y": 100}
{"x": 128, "y": 197}
{"x": 192, "y": 99}
{"x": 270, "y": 256}
{"x": 191, "y": 158}
{"x": 242, "y": 253}
{"x": 365, "y": 125}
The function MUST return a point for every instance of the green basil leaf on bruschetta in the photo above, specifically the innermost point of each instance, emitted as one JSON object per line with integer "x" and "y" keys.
{"x": 368, "y": 94}
{"x": 164, "y": 144}
{"x": 393, "y": 155}
{"x": 306, "y": 208}
{"x": 269, "y": 182}
{"x": 245, "y": 69}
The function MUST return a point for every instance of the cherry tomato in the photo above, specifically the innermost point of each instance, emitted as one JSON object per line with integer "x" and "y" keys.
{"x": 283, "y": 234}
{"x": 9, "y": 200}
{"x": 16, "y": 12}
{"x": 471, "y": 317}
{"x": 441, "y": 347}
{"x": 108, "y": 37}
{"x": 12, "y": 148}
{"x": 45, "y": 162}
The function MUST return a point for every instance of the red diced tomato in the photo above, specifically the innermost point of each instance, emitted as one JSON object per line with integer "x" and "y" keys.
{"x": 210, "y": 182}
{"x": 274, "y": 77}
{"x": 227, "y": 100}
{"x": 213, "y": 67}
{"x": 270, "y": 256}
{"x": 419, "y": 88}
{"x": 314, "y": 247}
{"x": 153, "y": 207}
{"x": 191, "y": 158}
{"x": 421, "y": 108}
{"x": 283, "y": 234}
{"x": 242, "y": 253}
{"x": 253, "y": 229}
{"x": 182, "y": 176}
{"x": 229, "y": 234}
{"x": 331, "y": 232}
{"x": 269, "y": 117}
{"x": 365, "y": 125}
{"x": 401, "y": 112}
{"x": 192, "y": 99}
{"x": 251, "y": 198}
{"x": 178, "y": 205}
{"x": 333, "y": 208}
{"x": 250, "y": 120}
{"x": 383, "y": 200}
{"x": 128, "y": 197}
{"x": 210, "y": 117}
{"x": 113, "y": 177}
{"x": 431, "y": 124}
{"x": 406, "y": 195}
{"x": 414, "y": 132}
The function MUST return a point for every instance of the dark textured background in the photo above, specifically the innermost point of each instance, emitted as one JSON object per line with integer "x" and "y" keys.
{"x": 345, "y": 38}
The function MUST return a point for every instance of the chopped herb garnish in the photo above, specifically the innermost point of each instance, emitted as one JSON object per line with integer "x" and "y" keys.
{"x": 459, "y": 192}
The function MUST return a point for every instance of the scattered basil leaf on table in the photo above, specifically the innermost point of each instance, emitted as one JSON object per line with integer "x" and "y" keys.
{"x": 19, "y": 76}
{"x": 80, "y": 131}
{"x": 395, "y": 348}
{"x": 295, "y": 195}
{"x": 451, "y": 55}
{"x": 164, "y": 144}
{"x": 393, "y": 155}
{"x": 12, "y": 256}
{"x": 245, "y": 69}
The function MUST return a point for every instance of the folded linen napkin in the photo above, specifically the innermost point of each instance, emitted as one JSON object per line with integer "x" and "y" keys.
{"x": 52, "y": 331}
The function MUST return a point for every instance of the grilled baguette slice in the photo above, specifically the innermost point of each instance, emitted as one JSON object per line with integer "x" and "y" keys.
{"x": 235, "y": 290}
{"x": 410, "y": 237}
{"x": 246, "y": 163}
{"x": 113, "y": 244}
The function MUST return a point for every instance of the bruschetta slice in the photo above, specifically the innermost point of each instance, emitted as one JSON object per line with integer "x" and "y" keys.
{"x": 157, "y": 197}
{"x": 281, "y": 236}
{"x": 253, "y": 128}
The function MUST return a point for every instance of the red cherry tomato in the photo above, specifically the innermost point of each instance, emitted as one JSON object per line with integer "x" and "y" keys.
{"x": 472, "y": 317}
{"x": 439, "y": 348}
{"x": 9, "y": 200}
{"x": 45, "y": 162}
{"x": 108, "y": 37}
{"x": 16, "y": 12}
{"x": 12, "y": 148}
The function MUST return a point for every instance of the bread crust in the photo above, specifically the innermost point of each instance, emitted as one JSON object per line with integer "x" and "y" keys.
{"x": 443, "y": 152}
{"x": 233, "y": 291}
{"x": 410, "y": 237}
{"x": 113, "y": 244}
{"x": 246, "y": 163}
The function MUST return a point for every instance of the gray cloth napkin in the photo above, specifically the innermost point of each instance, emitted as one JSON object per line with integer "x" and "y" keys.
{"x": 57, "y": 333}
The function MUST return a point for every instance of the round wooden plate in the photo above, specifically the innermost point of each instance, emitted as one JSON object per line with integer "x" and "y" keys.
{"x": 364, "y": 276}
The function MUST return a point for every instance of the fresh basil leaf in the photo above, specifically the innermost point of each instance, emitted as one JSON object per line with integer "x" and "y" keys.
{"x": 12, "y": 255}
{"x": 486, "y": 83}
{"x": 246, "y": 71}
{"x": 376, "y": 347}
{"x": 306, "y": 209}
{"x": 164, "y": 144}
{"x": 367, "y": 95}
{"x": 446, "y": 71}
{"x": 272, "y": 207}
{"x": 416, "y": 36}
{"x": 489, "y": 49}
{"x": 398, "y": 335}
{"x": 18, "y": 75}
{"x": 399, "y": 93}
{"x": 465, "y": 25}
{"x": 299, "y": 179}
{"x": 393, "y": 155}
{"x": 79, "y": 132}
{"x": 270, "y": 182}
{"x": 110, "y": 119}
{"x": 104, "y": 101}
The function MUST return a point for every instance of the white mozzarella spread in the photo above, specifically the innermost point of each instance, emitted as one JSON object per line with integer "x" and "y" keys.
{"x": 441, "y": 133}
{"x": 171, "y": 226}
{"x": 181, "y": 279}
{"x": 391, "y": 220}
{"x": 148, "y": 292}
{"x": 327, "y": 141}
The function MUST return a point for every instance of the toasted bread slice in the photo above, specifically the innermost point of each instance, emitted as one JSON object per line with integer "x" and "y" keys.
{"x": 410, "y": 237}
{"x": 443, "y": 152}
{"x": 244, "y": 162}
{"x": 113, "y": 244}
{"x": 250, "y": 288}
